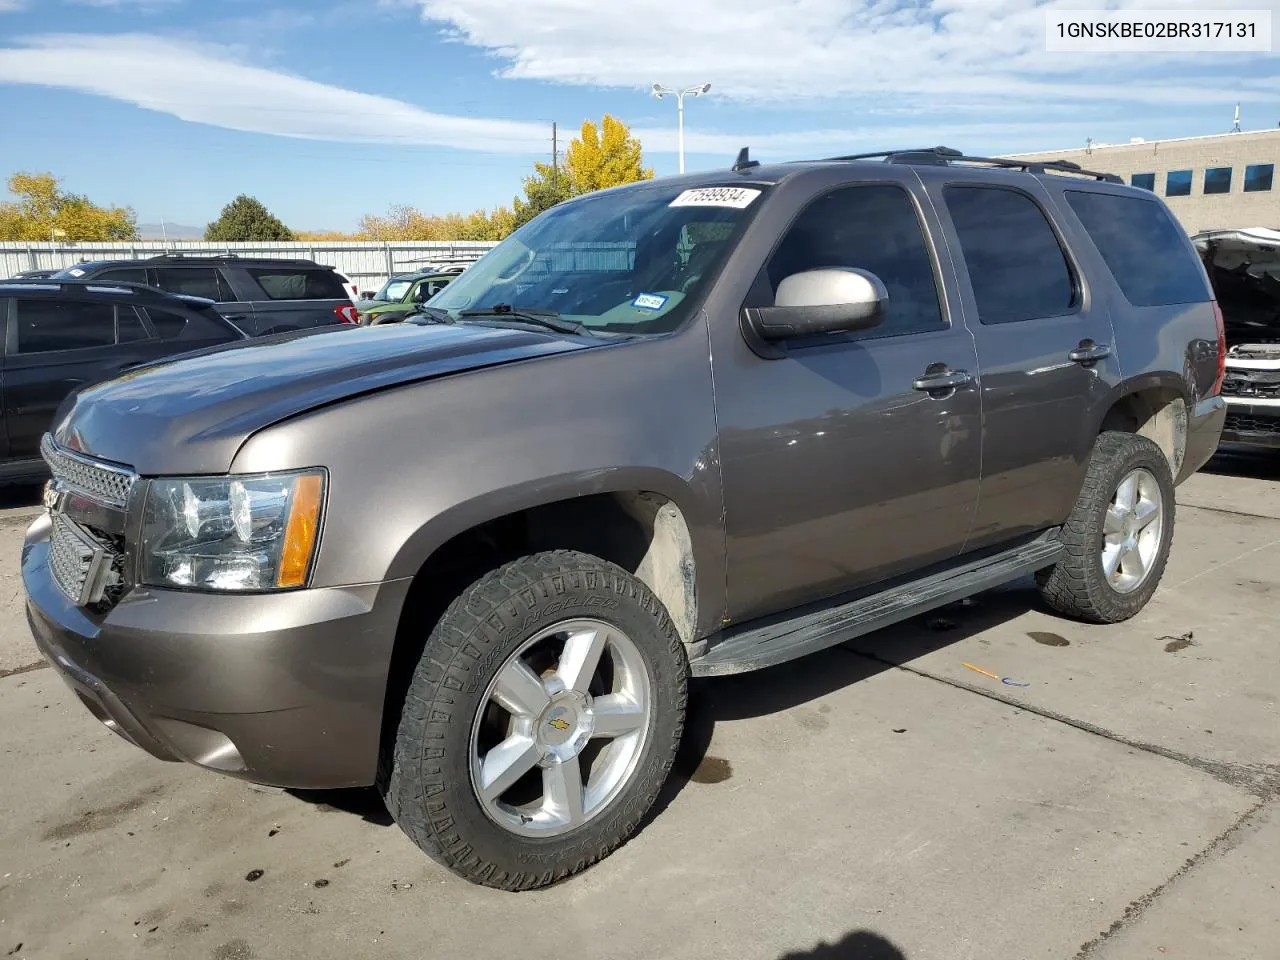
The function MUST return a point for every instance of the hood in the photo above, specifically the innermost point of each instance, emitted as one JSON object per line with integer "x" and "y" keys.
{"x": 1244, "y": 268}
{"x": 190, "y": 415}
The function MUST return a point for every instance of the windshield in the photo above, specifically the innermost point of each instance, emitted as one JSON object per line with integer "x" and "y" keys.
{"x": 620, "y": 262}
{"x": 393, "y": 289}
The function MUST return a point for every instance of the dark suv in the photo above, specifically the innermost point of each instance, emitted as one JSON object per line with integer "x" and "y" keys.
{"x": 62, "y": 335}
{"x": 260, "y": 296}
{"x": 691, "y": 426}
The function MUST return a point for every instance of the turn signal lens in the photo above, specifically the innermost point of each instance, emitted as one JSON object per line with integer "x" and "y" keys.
{"x": 301, "y": 530}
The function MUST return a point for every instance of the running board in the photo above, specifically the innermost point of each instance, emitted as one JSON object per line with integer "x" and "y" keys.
{"x": 765, "y": 646}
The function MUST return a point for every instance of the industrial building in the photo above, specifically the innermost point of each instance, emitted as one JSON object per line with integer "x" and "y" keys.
{"x": 1222, "y": 181}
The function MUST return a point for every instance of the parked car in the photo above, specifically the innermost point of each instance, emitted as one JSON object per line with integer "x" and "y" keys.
{"x": 349, "y": 285}
{"x": 1244, "y": 268}
{"x": 401, "y": 296}
{"x": 691, "y": 426}
{"x": 60, "y": 336}
{"x": 261, "y": 296}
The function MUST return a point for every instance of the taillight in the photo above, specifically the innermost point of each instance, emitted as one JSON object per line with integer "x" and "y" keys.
{"x": 1222, "y": 350}
{"x": 347, "y": 313}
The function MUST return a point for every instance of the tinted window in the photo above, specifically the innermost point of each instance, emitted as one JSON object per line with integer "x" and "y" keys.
{"x": 45, "y": 325}
{"x": 1217, "y": 180}
{"x": 300, "y": 284}
{"x": 1258, "y": 176}
{"x": 193, "y": 326}
{"x": 873, "y": 228}
{"x": 129, "y": 326}
{"x": 194, "y": 282}
{"x": 123, "y": 275}
{"x": 1177, "y": 183}
{"x": 1145, "y": 250}
{"x": 1016, "y": 265}
{"x": 1147, "y": 181}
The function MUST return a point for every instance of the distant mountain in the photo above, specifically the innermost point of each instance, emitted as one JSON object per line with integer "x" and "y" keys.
{"x": 174, "y": 231}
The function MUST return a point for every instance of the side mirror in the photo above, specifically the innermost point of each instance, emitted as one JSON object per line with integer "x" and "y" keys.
{"x": 366, "y": 294}
{"x": 817, "y": 302}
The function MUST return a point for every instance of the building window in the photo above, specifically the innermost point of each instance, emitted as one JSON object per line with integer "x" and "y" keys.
{"x": 1177, "y": 183}
{"x": 1257, "y": 177}
{"x": 1217, "y": 180}
{"x": 1147, "y": 181}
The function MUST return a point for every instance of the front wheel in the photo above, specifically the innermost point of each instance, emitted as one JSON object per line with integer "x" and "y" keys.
{"x": 540, "y": 723}
{"x": 1116, "y": 541}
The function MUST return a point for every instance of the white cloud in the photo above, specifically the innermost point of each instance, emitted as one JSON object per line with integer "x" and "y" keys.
{"x": 205, "y": 84}
{"x": 924, "y": 52}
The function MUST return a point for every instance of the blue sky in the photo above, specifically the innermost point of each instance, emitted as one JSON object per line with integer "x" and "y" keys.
{"x": 329, "y": 109}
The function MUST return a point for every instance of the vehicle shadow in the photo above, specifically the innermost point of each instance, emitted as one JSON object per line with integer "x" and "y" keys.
{"x": 1239, "y": 461}
{"x": 858, "y": 945}
{"x": 21, "y": 495}
{"x": 776, "y": 689}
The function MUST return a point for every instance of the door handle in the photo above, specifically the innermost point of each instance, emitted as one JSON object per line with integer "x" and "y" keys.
{"x": 943, "y": 380}
{"x": 1089, "y": 352}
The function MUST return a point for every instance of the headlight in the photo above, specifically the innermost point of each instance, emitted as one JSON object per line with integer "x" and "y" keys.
{"x": 249, "y": 533}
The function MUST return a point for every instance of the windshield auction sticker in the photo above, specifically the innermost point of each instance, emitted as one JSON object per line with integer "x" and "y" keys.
{"x": 737, "y": 197}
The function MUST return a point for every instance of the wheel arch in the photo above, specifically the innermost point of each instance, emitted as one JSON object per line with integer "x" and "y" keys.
{"x": 1156, "y": 406}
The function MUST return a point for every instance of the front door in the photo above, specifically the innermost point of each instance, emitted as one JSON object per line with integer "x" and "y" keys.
{"x": 855, "y": 456}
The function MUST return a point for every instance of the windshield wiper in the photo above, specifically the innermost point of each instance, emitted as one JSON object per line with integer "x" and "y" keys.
{"x": 424, "y": 314}
{"x": 541, "y": 318}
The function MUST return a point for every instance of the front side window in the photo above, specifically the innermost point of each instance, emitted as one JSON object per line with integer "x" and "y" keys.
{"x": 1146, "y": 181}
{"x": 626, "y": 262}
{"x": 123, "y": 275}
{"x": 1177, "y": 183}
{"x": 871, "y": 227}
{"x": 204, "y": 282}
{"x": 1016, "y": 265}
{"x": 1217, "y": 180}
{"x": 1258, "y": 177}
{"x": 48, "y": 325}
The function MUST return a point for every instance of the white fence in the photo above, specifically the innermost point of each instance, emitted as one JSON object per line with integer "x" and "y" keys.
{"x": 367, "y": 263}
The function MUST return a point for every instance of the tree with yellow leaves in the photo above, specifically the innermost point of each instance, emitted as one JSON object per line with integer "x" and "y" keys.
{"x": 43, "y": 211}
{"x": 607, "y": 156}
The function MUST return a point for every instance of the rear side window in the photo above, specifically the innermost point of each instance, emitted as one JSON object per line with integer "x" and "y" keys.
{"x": 1016, "y": 265}
{"x": 193, "y": 326}
{"x": 1145, "y": 250}
{"x": 205, "y": 282}
{"x": 48, "y": 325}
{"x": 129, "y": 326}
{"x": 299, "y": 284}
{"x": 123, "y": 275}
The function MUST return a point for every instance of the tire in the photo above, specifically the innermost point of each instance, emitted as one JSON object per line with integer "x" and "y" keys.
{"x": 453, "y": 719}
{"x": 1078, "y": 585}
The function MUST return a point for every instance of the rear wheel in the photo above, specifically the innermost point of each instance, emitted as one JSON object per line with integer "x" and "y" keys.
{"x": 1116, "y": 541}
{"x": 541, "y": 722}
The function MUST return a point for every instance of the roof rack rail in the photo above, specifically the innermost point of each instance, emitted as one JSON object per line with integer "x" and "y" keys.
{"x": 941, "y": 156}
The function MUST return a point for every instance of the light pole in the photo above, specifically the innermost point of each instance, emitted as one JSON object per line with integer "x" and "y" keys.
{"x": 660, "y": 91}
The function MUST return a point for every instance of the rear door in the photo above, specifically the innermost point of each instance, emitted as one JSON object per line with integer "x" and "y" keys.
{"x": 293, "y": 298}
{"x": 212, "y": 283}
{"x": 52, "y": 347}
{"x": 1045, "y": 349}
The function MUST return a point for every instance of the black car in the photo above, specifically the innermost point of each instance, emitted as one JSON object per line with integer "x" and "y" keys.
{"x": 61, "y": 335}
{"x": 262, "y": 296}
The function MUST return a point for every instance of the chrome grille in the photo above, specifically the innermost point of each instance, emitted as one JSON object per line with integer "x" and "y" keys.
{"x": 106, "y": 484}
{"x": 80, "y": 564}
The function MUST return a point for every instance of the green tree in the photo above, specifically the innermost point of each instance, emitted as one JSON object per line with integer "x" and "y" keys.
{"x": 43, "y": 211}
{"x": 543, "y": 189}
{"x": 246, "y": 219}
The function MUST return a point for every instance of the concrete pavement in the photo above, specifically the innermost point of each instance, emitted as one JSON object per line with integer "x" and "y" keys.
{"x": 875, "y": 801}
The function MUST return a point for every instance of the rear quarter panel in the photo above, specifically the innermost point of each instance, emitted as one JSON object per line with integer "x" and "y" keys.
{"x": 414, "y": 466}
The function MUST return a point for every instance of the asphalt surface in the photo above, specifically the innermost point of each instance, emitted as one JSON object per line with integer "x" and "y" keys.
{"x": 879, "y": 801}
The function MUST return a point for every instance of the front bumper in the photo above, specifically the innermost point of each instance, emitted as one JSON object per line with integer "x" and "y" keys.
{"x": 282, "y": 689}
{"x": 1204, "y": 427}
{"x": 1256, "y": 424}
